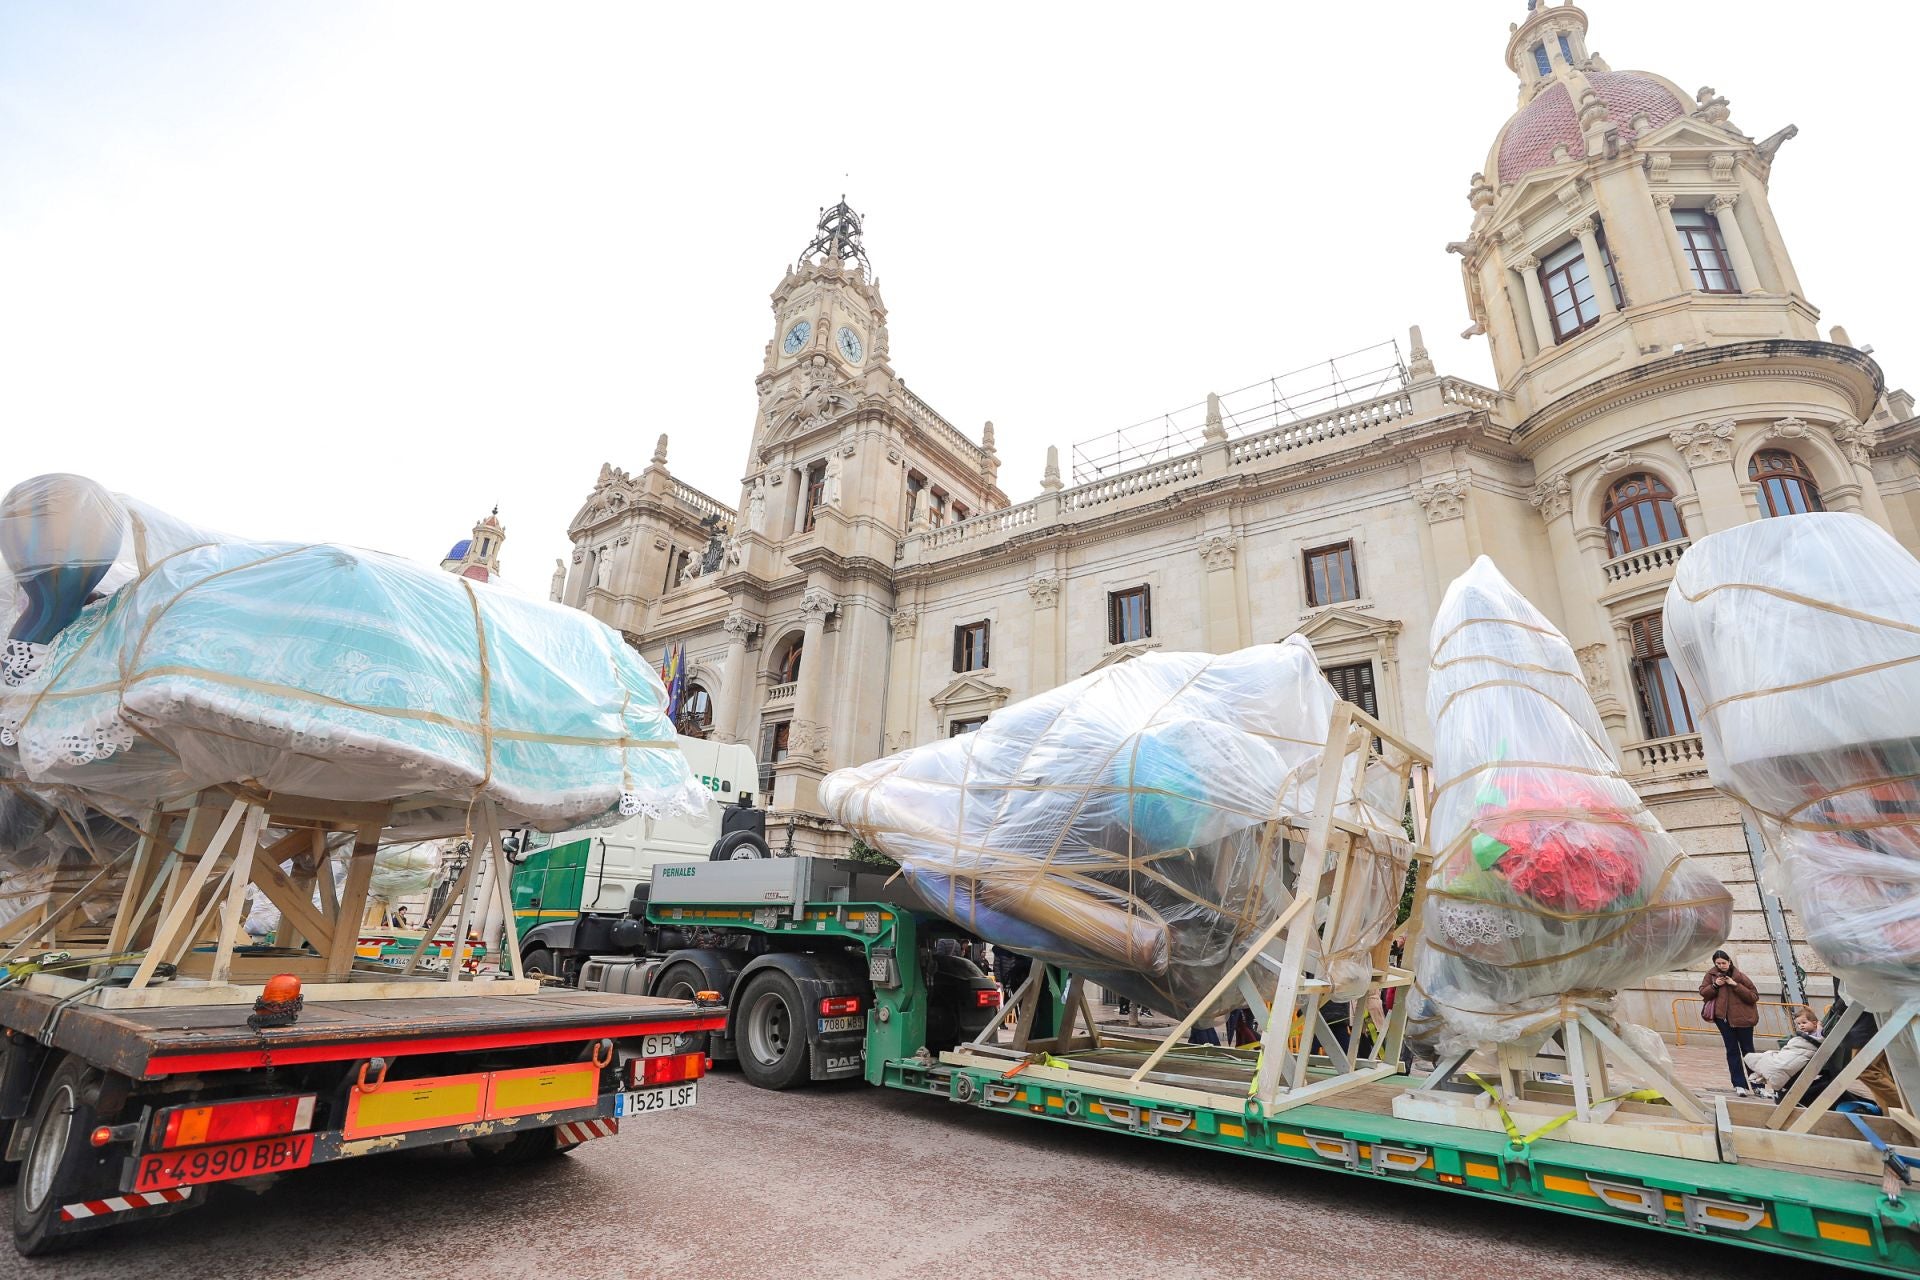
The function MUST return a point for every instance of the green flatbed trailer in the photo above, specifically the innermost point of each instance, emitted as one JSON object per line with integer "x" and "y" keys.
{"x": 1841, "y": 1219}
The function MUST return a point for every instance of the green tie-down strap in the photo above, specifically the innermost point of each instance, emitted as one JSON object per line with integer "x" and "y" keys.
{"x": 1519, "y": 1139}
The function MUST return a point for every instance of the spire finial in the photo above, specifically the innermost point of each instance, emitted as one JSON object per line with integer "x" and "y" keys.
{"x": 837, "y": 237}
{"x": 1050, "y": 481}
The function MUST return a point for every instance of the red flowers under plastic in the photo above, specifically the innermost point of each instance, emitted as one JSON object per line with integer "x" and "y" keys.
{"x": 1560, "y": 861}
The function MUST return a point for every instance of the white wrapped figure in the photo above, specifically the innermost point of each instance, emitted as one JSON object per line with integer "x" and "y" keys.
{"x": 1797, "y": 639}
{"x": 1551, "y": 884}
{"x": 1125, "y": 825}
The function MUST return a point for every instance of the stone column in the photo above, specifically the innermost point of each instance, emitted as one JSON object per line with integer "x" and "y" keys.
{"x": 1596, "y": 265}
{"x": 1043, "y": 647}
{"x": 1856, "y": 441}
{"x": 1681, "y": 262}
{"x": 1222, "y": 628}
{"x": 1528, "y": 269}
{"x": 808, "y": 737}
{"x": 1586, "y": 624}
{"x": 1445, "y": 502}
{"x": 732, "y": 723}
{"x": 902, "y": 704}
{"x": 1736, "y": 244}
{"x": 1708, "y": 450}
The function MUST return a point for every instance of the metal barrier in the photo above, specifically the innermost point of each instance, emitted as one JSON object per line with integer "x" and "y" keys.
{"x": 1776, "y": 1019}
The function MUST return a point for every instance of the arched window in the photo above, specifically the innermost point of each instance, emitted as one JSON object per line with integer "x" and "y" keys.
{"x": 1640, "y": 513}
{"x": 787, "y": 670}
{"x": 696, "y": 712}
{"x": 1787, "y": 487}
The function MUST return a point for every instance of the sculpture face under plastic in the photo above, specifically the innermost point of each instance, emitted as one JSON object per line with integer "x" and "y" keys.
{"x": 1123, "y": 826}
{"x": 314, "y": 670}
{"x": 1798, "y": 641}
{"x": 1551, "y": 881}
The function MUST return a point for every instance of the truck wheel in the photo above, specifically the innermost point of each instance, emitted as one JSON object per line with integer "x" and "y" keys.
{"x": 771, "y": 1031}
{"x": 681, "y": 981}
{"x": 61, "y": 1121}
{"x": 738, "y": 846}
{"x": 538, "y": 962}
{"x": 521, "y": 1147}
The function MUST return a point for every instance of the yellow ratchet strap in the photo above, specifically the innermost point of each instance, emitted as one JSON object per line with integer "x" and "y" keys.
{"x": 1527, "y": 1139}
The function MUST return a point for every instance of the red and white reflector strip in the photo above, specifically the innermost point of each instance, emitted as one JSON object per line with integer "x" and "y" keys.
{"x": 119, "y": 1204}
{"x": 578, "y": 1131}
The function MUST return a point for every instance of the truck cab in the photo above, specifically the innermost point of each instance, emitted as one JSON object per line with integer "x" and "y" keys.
{"x": 570, "y": 889}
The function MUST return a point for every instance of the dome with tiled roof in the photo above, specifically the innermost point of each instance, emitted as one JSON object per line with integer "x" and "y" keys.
{"x": 1528, "y": 141}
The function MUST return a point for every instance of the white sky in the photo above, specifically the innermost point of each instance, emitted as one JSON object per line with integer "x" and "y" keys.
{"x": 358, "y": 271}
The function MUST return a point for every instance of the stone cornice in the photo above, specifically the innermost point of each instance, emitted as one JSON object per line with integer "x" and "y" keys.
{"x": 1771, "y": 358}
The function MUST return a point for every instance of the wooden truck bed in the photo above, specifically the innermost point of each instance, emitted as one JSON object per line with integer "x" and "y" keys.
{"x": 147, "y": 1043}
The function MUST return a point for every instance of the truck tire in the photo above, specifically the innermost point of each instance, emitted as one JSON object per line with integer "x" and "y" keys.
{"x": 62, "y": 1119}
{"x": 770, "y": 1031}
{"x": 738, "y": 846}
{"x": 681, "y": 980}
{"x": 538, "y": 962}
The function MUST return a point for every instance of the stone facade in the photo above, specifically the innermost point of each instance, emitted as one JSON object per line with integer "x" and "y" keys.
{"x": 873, "y": 533}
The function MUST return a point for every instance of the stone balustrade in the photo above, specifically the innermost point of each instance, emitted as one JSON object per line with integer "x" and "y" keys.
{"x": 782, "y": 694}
{"x": 929, "y": 420}
{"x": 1157, "y": 476}
{"x": 1660, "y": 559}
{"x": 699, "y": 502}
{"x": 1682, "y": 753}
{"x": 1365, "y": 416}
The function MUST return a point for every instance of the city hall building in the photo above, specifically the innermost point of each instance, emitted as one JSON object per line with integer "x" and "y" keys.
{"x": 1661, "y": 375}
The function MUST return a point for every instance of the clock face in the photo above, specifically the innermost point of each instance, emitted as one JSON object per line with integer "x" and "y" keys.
{"x": 797, "y": 337}
{"x": 850, "y": 344}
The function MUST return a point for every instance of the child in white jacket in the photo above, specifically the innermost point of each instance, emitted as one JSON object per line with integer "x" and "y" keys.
{"x": 1772, "y": 1070}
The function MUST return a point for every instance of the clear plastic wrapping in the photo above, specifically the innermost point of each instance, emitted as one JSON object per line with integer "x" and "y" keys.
{"x": 1551, "y": 882}
{"x": 1797, "y": 640}
{"x": 152, "y": 659}
{"x": 1128, "y": 825}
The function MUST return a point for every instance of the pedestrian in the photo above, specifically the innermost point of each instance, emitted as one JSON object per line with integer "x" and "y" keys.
{"x": 1732, "y": 1004}
{"x": 1874, "y": 1078}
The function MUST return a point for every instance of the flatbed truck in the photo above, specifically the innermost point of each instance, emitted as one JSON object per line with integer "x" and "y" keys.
{"x": 138, "y": 1069}
{"x": 1834, "y": 1194}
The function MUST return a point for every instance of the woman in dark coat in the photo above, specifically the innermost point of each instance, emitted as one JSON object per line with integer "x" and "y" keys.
{"x": 1732, "y": 1003}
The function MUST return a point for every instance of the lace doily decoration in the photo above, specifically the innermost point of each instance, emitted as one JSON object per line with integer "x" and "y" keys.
{"x": 1468, "y": 925}
{"x": 19, "y": 660}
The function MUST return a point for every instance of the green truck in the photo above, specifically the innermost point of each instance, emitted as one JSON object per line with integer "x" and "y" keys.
{"x": 829, "y": 972}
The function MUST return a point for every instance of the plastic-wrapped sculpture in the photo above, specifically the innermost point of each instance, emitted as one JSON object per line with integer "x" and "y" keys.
{"x": 147, "y": 660}
{"x": 1124, "y": 825}
{"x": 1551, "y": 882}
{"x": 1798, "y": 642}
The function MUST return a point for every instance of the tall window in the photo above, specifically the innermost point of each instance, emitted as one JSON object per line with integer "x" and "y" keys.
{"x": 773, "y": 749}
{"x": 788, "y": 669}
{"x": 1540, "y": 62}
{"x": 1663, "y": 701}
{"x": 959, "y": 727}
{"x": 1640, "y": 513}
{"x": 960, "y": 511}
{"x": 936, "y": 507}
{"x": 970, "y": 647}
{"x": 816, "y": 492}
{"x": 696, "y": 712}
{"x": 1129, "y": 615}
{"x": 1568, "y": 284}
{"x": 1786, "y": 486}
{"x": 916, "y": 489}
{"x": 1332, "y": 575}
{"x": 1354, "y": 683}
{"x": 1705, "y": 251}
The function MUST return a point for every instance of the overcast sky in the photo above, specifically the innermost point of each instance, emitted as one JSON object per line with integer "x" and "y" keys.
{"x": 356, "y": 272}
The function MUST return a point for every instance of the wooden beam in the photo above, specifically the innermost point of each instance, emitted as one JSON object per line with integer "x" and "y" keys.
{"x": 186, "y": 896}
{"x": 345, "y": 938}
{"x": 296, "y": 908}
{"x": 238, "y": 877}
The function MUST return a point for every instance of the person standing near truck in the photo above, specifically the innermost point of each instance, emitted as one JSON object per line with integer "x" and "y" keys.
{"x": 1732, "y": 1004}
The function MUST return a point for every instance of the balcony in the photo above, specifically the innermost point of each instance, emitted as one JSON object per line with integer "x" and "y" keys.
{"x": 1647, "y": 560}
{"x": 1668, "y": 757}
{"x": 781, "y": 695}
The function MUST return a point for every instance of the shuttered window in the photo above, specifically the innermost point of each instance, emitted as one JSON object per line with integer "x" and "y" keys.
{"x": 1129, "y": 615}
{"x": 1663, "y": 700}
{"x": 970, "y": 647}
{"x": 1354, "y": 683}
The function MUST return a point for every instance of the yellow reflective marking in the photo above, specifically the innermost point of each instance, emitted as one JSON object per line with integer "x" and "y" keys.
{"x": 1095, "y": 1109}
{"x": 1233, "y": 1130}
{"x": 1845, "y": 1234}
{"x": 1289, "y": 1140}
{"x": 1056, "y": 1102}
{"x": 1569, "y": 1186}
{"x": 1487, "y": 1171}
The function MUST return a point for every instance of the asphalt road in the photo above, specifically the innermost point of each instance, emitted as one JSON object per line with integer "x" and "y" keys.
{"x": 848, "y": 1181}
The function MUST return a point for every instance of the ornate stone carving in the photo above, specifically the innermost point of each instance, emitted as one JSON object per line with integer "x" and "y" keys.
{"x": 1442, "y": 499}
{"x": 1528, "y": 263}
{"x": 1593, "y": 664}
{"x": 1659, "y": 165}
{"x": 1045, "y": 590}
{"x": 1553, "y": 496}
{"x": 1584, "y": 227}
{"x": 1664, "y": 198}
{"x": 1710, "y": 106}
{"x": 1705, "y": 443}
{"x": 757, "y": 506}
{"x": 579, "y": 554}
{"x": 1724, "y": 201}
{"x": 1216, "y": 550}
{"x": 1616, "y": 460}
{"x": 906, "y": 621}
{"x": 1856, "y": 438}
{"x": 660, "y": 451}
{"x": 1720, "y": 167}
{"x": 807, "y": 740}
{"x": 893, "y": 453}
{"x": 739, "y": 627}
{"x": 816, "y": 604}
{"x": 1790, "y": 428}
{"x": 558, "y": 584}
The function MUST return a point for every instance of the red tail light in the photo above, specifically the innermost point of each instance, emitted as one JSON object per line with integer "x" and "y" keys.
{"x": 987, "y": 998}
{"x": 232, "y": 1121}
{"x": 671, "y": 1069}
{"x": 837, "y": 1006}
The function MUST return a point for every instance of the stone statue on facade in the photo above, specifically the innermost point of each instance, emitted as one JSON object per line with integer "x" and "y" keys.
{"x": 757, "y": 505}
{"x": 558, "y": 587}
